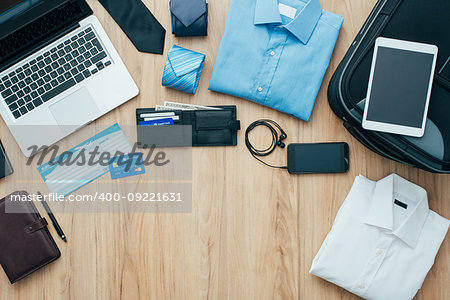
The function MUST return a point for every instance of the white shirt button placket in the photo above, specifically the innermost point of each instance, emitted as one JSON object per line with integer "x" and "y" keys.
{"x": 374, "y": 263}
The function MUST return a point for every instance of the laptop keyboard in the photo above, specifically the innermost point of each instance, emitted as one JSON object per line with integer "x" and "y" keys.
{"x": 55, "y": 71}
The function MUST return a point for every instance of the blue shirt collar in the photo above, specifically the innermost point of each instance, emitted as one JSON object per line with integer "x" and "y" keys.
{"x": 302, "y": 26}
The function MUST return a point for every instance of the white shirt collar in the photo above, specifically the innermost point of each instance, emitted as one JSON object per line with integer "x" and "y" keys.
{"x": 381, "y": 211}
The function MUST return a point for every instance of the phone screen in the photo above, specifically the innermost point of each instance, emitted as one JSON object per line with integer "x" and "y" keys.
{"x": 5, "y": 165}
{"x": 318, "y": 158}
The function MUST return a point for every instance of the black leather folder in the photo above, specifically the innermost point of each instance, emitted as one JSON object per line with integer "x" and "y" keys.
{"x": 26, "y": 244}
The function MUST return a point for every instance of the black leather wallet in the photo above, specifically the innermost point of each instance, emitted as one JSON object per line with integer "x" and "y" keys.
{"x": 198, "y": 28}
{"x": 216, "y": 127}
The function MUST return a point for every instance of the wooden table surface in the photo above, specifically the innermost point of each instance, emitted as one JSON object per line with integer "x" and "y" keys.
{"x": 253, "y": 231}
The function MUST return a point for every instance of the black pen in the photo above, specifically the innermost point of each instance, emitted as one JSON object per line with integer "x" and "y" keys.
{"x": 52, "y": 217}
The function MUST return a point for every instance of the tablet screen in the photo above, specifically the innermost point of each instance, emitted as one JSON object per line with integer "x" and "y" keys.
{"x": 400, "y": 87}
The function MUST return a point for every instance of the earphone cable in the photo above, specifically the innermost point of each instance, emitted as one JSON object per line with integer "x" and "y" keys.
{"x": 275, "y": 140}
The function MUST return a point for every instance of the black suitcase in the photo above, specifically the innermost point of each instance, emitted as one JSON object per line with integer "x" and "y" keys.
{"x": 426, "y": 21}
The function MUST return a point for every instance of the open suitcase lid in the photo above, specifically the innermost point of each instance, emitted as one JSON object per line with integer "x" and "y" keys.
{"x": 423, "y": 21}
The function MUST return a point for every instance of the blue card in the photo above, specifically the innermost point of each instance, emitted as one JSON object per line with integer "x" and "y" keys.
{"x": 162, "y": 121}
{"x": 126, "y": 165}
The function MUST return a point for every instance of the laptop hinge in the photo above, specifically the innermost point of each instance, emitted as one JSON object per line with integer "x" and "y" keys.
{"x": 39, "y": 46}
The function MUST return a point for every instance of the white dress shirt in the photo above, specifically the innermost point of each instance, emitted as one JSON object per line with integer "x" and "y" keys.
{"x": 383, "y": 241}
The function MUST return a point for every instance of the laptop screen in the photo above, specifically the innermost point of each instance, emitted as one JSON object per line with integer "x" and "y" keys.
{"x": 12, "y": 8}
{"x": 7, "y": 4}
{"x": 26, "y": 24}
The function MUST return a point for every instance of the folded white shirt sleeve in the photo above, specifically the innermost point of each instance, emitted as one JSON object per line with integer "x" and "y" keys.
{"x": 383, "y": 241}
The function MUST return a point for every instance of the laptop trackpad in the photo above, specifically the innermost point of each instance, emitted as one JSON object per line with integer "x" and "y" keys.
{"x": 75, "y": 110}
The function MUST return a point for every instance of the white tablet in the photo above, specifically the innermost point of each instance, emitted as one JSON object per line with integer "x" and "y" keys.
{"x": 399, "y": 87}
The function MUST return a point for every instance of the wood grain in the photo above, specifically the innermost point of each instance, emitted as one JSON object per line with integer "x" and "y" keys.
{"x": 253, "y": 231}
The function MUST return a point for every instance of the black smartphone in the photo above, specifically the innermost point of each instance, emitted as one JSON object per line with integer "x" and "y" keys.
{"x": 5, "y": 166}
{"x": 318, "y": 158}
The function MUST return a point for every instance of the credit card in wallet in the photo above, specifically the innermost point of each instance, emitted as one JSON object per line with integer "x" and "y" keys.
{"x": 126, "y": 165}
{"x": 157, "y": 114}
{"x": 174, "y": 118}
{"x": 157, "y": 122}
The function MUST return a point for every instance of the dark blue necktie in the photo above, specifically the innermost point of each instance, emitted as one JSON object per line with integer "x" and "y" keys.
{"x": 188, "y": 11}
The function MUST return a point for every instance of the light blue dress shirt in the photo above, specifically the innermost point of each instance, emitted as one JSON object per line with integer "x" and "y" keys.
{"x": 274, "y": 59}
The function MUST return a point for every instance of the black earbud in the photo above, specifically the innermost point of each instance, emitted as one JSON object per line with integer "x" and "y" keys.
{"x": 282, "y": 137}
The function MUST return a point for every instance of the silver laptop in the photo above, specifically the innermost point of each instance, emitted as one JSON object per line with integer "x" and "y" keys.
{"x": 58, "y": 70}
